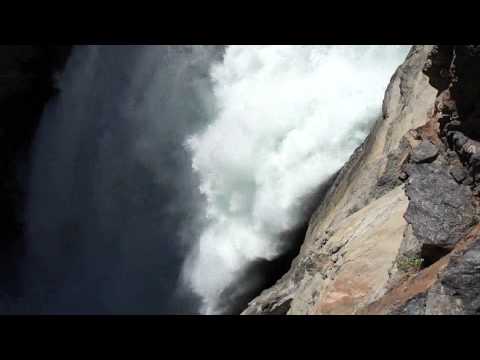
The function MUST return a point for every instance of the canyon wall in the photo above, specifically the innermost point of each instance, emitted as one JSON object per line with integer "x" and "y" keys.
{"x": 397, "y": 231}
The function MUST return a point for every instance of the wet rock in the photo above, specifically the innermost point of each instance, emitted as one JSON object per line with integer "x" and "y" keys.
{"x": 424, "y": 152}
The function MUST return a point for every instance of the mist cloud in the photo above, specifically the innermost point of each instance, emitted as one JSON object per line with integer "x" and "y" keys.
{"x": 111, "y": 196}
{"x": 156, "y": 159}
{"x": 286, "y": 118}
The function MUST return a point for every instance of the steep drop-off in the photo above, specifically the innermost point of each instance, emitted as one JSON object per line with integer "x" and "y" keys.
{"x": 396, "y": 232}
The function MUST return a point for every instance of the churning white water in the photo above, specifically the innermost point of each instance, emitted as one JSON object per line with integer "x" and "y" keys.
{"x": 287, "y": 118}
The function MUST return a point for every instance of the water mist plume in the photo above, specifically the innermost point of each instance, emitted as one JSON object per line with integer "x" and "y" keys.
{"x": 286, "y": 118}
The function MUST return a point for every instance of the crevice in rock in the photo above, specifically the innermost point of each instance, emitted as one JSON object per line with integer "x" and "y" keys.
{"x": 443, "y": 191}
{"x": 443, "y": 170}
{"x": 281, "y": 309}
{"x": 459, "y": 104}
{"x": 431, "y": 254}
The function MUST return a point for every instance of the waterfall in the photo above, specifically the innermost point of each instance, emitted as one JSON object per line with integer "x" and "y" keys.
{"x": 162, "y": 173}
{"x": 286, "y": 119}
{"x": 111, "y": 191}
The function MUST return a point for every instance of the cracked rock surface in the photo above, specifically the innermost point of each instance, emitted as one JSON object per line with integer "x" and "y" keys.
{"x": 440, "y": 210}
{"x": 424, "y": 152}
{"x": 397, "y": 231}
{"x": 355, "y": 234}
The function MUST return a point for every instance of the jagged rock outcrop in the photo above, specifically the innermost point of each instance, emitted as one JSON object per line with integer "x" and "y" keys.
{"x": 449, "y": 286}
{"x": 447, "y": 227}
{"x": 396, "y": 232}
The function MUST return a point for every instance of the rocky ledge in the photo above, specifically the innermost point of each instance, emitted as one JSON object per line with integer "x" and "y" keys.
{"x": 397, "y": 231}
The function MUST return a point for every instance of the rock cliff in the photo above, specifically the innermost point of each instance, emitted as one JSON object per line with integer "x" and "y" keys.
{"x": 397, "y": 231}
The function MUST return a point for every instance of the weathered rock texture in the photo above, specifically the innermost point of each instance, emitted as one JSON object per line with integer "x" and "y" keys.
{"x": 396, "y": 232}
{"x": 449, "y": 286}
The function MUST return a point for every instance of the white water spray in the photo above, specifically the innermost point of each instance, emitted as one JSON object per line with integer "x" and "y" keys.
{"x": 287, "y": 118}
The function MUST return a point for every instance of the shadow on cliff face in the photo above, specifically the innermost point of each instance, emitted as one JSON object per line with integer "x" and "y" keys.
{"x": 262, "y": 274}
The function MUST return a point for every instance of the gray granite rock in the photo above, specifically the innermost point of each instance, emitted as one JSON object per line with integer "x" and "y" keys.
{"x": 440, "y": 209}
{"x": 363, "y": 189}
{"x": 424, "y": 152}
{"x": 415, "y": 306}
{"x": 458, "y": 173}
{"x": 456, "y": 292}
{"x": 462, "y": 278}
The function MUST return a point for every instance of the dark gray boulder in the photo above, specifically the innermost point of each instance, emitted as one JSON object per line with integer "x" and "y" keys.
{"x": 459, "y": 173}
{"x": 462, "y": 278}
{"x": 440, "y": 210}
{"x": 424, "y": 152}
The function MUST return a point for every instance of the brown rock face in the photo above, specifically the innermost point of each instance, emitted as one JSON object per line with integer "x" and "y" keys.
{"x": 397, "y": 233}
{"x": 449, "y": 286}
{"x": 368, "y": 242}
{"x": 453, "y": 285}
{"x": 354, "y": 236}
